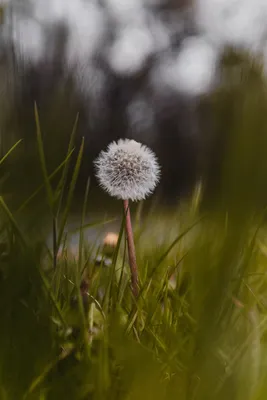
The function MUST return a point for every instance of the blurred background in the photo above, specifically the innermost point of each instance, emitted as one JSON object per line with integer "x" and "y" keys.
{"x": 168, "y": 73}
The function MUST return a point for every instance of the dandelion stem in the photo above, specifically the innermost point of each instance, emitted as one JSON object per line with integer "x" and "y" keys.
{"x": 131, "y": 249}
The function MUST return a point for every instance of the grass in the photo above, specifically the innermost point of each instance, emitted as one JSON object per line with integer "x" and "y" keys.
{"x": 70, "y": 327}
{"x": 204, "y": 337}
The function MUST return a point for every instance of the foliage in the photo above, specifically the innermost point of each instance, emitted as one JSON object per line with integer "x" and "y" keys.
{"x": 70, "y": 327}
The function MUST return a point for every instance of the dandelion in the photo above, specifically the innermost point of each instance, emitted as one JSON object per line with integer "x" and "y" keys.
{"x": 111, "y": 239}
{"x": 110, "y": 242}
{"x": 128, "y": 170}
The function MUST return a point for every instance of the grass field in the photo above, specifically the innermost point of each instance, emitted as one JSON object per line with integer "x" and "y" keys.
{"x": 70, "y": 327}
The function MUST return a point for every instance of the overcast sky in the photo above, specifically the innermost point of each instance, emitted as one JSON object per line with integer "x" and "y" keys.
{"x": 140, "y": 33}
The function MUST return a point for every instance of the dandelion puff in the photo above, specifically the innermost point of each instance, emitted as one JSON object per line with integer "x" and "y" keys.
{"x": 128, "y": 170}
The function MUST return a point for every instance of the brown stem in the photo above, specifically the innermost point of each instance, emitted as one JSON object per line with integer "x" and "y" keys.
{"x": 131, "y": 249}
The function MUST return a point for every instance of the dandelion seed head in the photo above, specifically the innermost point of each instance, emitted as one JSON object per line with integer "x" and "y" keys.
{"x": 127, "y": 170}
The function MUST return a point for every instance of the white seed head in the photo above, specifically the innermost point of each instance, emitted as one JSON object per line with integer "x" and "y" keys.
{"x": 128, "y": 170}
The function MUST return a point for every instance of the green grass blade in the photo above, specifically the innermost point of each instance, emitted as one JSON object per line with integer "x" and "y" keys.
{"x": 61, "y": 185}
{"x": 70, "y": 193}
{"x": 81, "y": 239}
{"x": 177, "y": 240}
{"x": 10, "y": 151}
{"x": 12, "y": 220}
{"x": 92, "y": 225}
{"x": 48, "y": 187}
{"x": 40, "y": 188}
